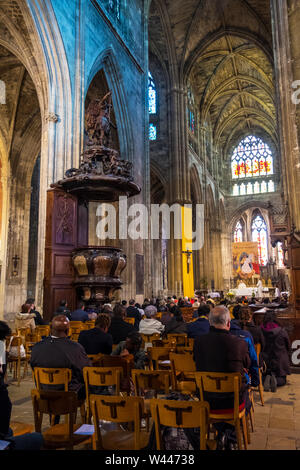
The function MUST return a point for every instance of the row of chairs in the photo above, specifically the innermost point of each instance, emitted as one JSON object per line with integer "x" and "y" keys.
{"x": 131, "y": 409}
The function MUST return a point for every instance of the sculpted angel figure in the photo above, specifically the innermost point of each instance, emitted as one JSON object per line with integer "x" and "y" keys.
{"x": 97, "y": 121}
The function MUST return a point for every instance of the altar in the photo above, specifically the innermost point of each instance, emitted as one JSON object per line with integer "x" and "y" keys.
{"x": 245, "y": 291}
{"x": 248, "y": 292}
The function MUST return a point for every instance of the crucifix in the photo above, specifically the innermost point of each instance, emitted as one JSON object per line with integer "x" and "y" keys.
{"x": 188, "y": 253}
{"x": 15, "y": 260}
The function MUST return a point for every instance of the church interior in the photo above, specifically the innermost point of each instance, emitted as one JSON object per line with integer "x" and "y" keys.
{"x": 113, "y": 112}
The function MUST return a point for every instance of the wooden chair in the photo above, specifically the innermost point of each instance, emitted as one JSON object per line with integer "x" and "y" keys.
{"x": 23, "y": 332}
{"x": 184, "y": 350}
{"x": 42, "y": 330}
{"x": 181, "y": 338}
{"x": 57, "y": 403}
{"x": 17, "y": 360}
{"x": 118, "y": 410}
{"x": 149, "y": 338}
{"x": 129, "y": 320}
{"x": 181, "y": 414}
{"x": 158, "y": 315}
{"x": 260, "y": 386}
{"x": 75, "y": 328}
{"x": 101, "y": 377}
{"x": 219, "y": 382}
{"x": 19, "y": 429}
{"x": 183, "y": 370}
{"x": 95, "y": 358}
{"x": 164, "y": 343}
{"x": 88, "y": 325}
{"x": 127, "y": 363}
{"x": 159, "y": 358}
{"x": 56, "y": 377}
{"x": 155, "y": 380}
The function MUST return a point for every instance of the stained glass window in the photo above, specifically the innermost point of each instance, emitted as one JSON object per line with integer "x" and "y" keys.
{"x": 114, "y": 5}
{"x": 191, "y": 121}
{"x": 251, "y": 158}
{"x": 151, "y": 94}
{"x": 152, "y": 132}
{"x": 250, "y": 188}
{"x": 238, "y": 233}
{"x": 271, "y": 186}
{"x": 260, "y": 235}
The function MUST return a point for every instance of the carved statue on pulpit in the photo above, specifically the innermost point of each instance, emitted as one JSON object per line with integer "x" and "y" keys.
{"x": 97, "y": 121}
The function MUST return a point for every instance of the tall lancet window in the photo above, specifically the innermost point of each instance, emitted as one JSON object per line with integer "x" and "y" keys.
{"x": 260, "y": 235}
{"x": 152, "y": 103}
{"x": 151, "y": 94}
{"x": 238, "y": 233}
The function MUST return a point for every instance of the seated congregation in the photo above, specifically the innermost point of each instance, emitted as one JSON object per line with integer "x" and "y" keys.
{"x": 173, "y": 375}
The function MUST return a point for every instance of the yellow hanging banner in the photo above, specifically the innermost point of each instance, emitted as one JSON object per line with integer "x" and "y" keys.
{"x": 187, "y": 253}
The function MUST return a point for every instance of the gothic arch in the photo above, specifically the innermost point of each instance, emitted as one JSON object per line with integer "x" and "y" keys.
{"x": 244, "y": 207}
{"x": 106, "y": 61}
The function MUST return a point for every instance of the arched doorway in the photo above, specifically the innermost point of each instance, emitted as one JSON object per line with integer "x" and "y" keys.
{"x": 20, "y": 135}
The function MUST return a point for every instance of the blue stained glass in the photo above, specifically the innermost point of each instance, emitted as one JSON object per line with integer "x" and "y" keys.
{"x": 115, "y": 6}
{"x": 152, "y": 131}
{"x": 191, "y": 121}
{"x": 151, "y": 94}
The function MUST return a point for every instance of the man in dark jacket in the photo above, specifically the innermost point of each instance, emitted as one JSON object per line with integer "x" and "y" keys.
{"x": 133, "y": 312}
{"x": 219, "y": 351}
{"x": 79, "y": 314}
{"x": 57, "y": 350}
{"x": 97, "y": 340}
{"x": 119, "y": 329}
{"x": 201, "y": 325}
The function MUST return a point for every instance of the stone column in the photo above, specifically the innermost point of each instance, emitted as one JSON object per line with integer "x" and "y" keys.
{"x": 285, "y": 23}
{"x": 179, "y": 176}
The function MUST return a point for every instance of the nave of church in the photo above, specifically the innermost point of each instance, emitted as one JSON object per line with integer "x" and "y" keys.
{"x": 150, "y": 169}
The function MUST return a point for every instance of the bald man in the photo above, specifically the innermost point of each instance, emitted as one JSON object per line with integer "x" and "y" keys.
{"x": 57, "y": 350}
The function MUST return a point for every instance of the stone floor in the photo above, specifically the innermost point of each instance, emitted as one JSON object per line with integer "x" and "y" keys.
{"x": 277, "y": 423}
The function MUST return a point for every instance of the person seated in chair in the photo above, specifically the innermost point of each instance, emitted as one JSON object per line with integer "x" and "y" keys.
{"x": 119, "y": 329}
{"x": 133, "y": 312}
{"x": 38, "y": 319}
{"x": 236, "y": 326}
{"x": 201, "y": 325}
{"x": 97, "y": 340}
{"x": 57, "y": 350}
{"x": 132, "y": 345}
{"x": 80, "y": 314}
{"x": 25, "y": 319}
{"x": 219, "y": 351}
{"x": 176, "y": 324}
{"x": 149, "y": 325}
{"x": 63, "y": 309}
